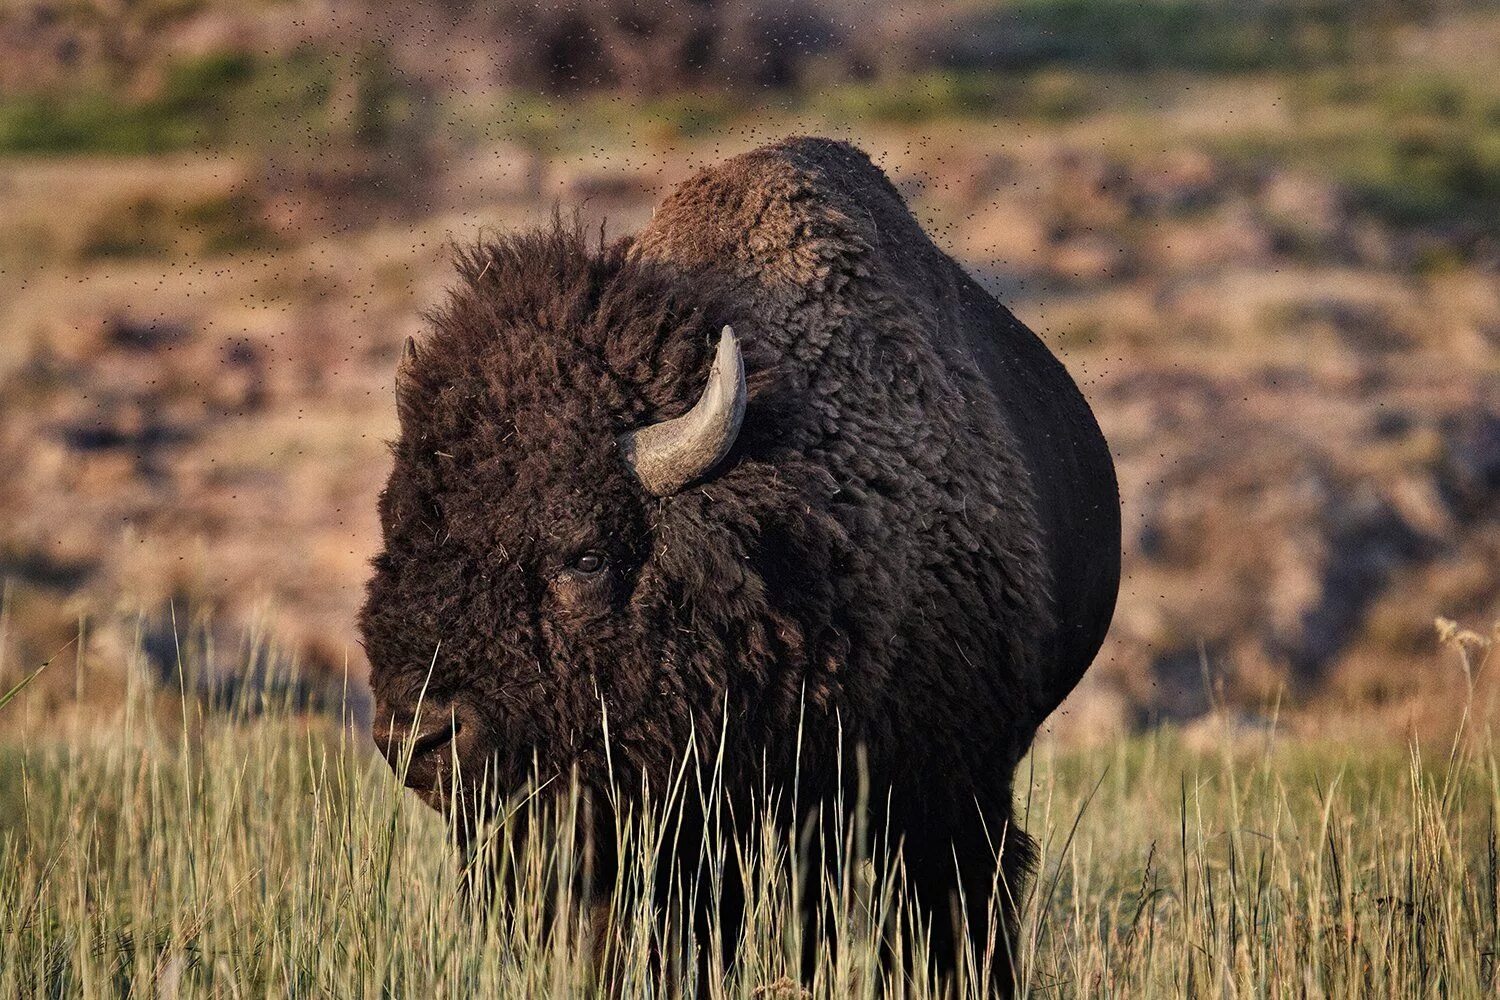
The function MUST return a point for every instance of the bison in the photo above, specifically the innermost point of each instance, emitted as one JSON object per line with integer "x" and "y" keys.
{"x": 774, "y": 473}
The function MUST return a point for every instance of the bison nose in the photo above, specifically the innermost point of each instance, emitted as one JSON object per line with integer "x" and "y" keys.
{"x": 418, "y": 743}
{"x": 422, "y": 741}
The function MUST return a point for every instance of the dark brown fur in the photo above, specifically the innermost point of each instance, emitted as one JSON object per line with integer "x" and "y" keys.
{"x": 913, "y": 547}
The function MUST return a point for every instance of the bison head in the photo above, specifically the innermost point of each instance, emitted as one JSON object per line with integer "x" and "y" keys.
{"x": 573, "y": 542}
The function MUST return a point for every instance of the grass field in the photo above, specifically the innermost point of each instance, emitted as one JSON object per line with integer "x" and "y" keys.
{"x": 1261, "y": 236}
{"x": 169, "y": 851}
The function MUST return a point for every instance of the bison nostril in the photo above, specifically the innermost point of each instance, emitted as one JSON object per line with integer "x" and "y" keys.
{"x": 406, "y": 745}
{"x": 436, "y": 739}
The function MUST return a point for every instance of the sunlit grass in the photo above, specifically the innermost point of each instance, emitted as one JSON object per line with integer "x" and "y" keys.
{"x": 258, "y": 853}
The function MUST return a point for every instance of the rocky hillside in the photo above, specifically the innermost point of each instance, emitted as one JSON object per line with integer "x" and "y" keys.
{"x": 1278, "y": 290}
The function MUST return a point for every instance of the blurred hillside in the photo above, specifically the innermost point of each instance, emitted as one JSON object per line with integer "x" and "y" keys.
{"x": 1265, "y": 237}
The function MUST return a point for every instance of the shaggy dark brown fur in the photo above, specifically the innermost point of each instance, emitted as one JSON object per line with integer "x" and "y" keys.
{"x": 913, "y": 546}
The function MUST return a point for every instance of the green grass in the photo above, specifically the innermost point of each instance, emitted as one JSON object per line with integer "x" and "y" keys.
{"x": 1048, "y": 96}
{"x": 155, "y": 227}
{"x": 1045, "y": 97}
{"x": 217, "y": 101}
{"x": 1415, "y": 147}
{"x": 163, "y": 851}
{"x": 1207, "y": 36}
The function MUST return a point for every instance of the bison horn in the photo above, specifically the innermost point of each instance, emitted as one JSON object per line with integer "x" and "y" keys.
{"x": 408, "y": 356}
{"x": 667, "y": 456}
{"x": 403, "y": 378}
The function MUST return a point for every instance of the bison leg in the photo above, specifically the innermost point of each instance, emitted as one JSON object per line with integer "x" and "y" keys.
{"x": 968, "y": 894}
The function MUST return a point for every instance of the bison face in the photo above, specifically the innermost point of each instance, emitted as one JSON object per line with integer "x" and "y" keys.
{"x": 527, "y": 597}
{"x": 493, "y": 616}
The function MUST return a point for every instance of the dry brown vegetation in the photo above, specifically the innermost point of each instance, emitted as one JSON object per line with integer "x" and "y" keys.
{"x": 1275, "y": 280}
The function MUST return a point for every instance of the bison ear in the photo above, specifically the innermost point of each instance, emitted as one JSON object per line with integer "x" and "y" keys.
{"x": 669, "y": 455}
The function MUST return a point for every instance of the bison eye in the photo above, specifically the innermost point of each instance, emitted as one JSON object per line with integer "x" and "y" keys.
{"x": 590, "y": 563}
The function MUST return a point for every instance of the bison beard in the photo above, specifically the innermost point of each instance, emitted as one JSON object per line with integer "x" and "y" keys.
{"x": 909, "y": 544}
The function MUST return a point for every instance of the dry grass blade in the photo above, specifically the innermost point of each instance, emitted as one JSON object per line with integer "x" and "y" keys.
{"x": 20, "y": 685}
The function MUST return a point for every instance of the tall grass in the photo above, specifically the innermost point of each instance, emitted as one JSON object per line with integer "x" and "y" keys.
{"x": 257, "y": 852}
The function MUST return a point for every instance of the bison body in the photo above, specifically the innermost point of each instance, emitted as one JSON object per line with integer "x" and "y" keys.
{"x": 906, "y": 541}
